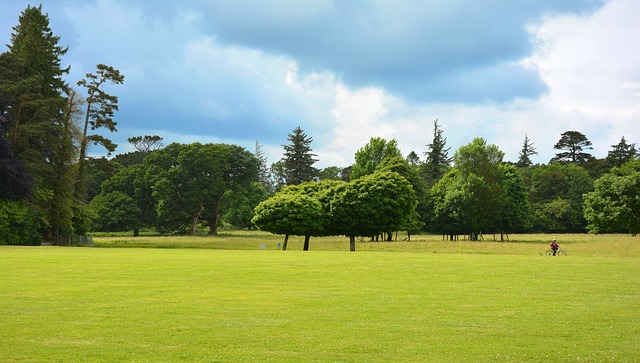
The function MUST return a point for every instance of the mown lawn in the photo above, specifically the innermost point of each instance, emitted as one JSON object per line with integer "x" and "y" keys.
{"x": 148, "y": 304}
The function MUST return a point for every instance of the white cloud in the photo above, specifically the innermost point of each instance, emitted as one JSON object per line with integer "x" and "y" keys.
{"x": 592, "y": 65}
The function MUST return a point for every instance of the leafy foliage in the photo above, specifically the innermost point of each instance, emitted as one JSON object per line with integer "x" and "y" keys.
{"x": 115, "y": 211}
{"x": 479, "y": 194}
{"x": 372, "y": 155}
{"x": 377, "y": 203}
{"x": 239, "y": 204}
{"x": 18, "y": 226}
{"x": 16, "y": 180}
{"x": 614, "y": 205}
{"x": 290, "y": 213}
{"x": 556, "y": 196}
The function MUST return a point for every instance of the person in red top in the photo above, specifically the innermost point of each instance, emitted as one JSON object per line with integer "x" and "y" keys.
{"x": 554, "y": 246}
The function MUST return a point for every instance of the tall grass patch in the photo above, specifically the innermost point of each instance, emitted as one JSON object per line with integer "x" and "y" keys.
{"x": 611, "y": 245}
{"x": 81, "y": 304}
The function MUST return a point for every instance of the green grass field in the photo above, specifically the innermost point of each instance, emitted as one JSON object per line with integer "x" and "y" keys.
{"x": 432, "y": 302}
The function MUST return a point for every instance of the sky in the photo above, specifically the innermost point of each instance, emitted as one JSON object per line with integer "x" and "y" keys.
{"x": 239, "y": 71}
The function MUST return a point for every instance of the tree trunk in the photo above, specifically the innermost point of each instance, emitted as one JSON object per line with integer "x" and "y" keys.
{"x": 194, "y": 221}
{"x": 136, "y": 232}
{"x": 80, "y": 189}
{"x": 306, "y": 243}
{"x": 192, "y": 228}
{"x": 352, "y": 243}
{"x": 213, "y": 221}
{"x": 286, "y": 240}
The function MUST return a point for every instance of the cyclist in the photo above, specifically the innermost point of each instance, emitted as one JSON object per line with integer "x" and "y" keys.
{"x": 554, "y": 246}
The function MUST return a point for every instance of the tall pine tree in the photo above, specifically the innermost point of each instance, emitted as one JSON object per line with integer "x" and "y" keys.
{"x": 101, "y": 108}
{"x": 525, "y": 153}
{"x": 298, "y": 158}
{"x": 621, "y": 153}
{"x": 437, "y": 157}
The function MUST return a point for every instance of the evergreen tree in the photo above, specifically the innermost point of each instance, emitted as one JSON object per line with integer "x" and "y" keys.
{"x": 574, "y": 143}
{"x": 437, "y": 157}
{"x": 146, "y": 144}
{"x": 101, "y": 107}
{"x": 413, "y": 159}
{"x": 298, "y": 159}
{"x": 525, "y": 153}
{"x": 38, "y": 129}
{"x": 621, "y": 153}
{"x": 264, "y": 176}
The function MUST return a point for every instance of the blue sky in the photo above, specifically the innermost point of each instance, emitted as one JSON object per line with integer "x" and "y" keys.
{"x": 237, "y": 71}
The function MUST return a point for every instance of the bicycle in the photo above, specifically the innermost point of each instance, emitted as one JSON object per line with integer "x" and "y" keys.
{"x": 559, "y": 252}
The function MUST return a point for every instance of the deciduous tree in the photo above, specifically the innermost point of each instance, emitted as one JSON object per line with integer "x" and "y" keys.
{"x": 614, "y": 205}
{"x": 371, "y": 205}
{"x": 372, "y": 155}
{"x": 290, "y": 213}
{"x": 115, "y": 211}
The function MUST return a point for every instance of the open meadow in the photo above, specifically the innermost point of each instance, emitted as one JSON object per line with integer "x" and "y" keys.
{"x": 226, "y": 299}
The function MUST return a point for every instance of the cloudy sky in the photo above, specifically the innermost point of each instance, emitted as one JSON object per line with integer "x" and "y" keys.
{"x": 237, "y": 71}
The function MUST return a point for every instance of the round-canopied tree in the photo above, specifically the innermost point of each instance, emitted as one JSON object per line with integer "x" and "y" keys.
{"x": 290, "y": 213}
{"x": 614, "y": 205}
{"x": 377, "y": 203}
{"x": 115, "y": 211}
{"x": 369, "y": 158}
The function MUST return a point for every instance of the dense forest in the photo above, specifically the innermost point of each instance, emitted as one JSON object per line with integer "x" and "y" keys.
{"x": 52, "y": 190}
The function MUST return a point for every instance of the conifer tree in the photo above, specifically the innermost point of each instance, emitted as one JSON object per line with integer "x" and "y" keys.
{"x": 573, "y": 142}
{"x": 37, "y": 129}
{"x": 525, "y": 153}
{"x": 264, "y": 176}
{"x": 99, "y": 113}
{"x": 621, "y": 153}
{"x": 298, "y": 158}
{"x": 437, "y": 157}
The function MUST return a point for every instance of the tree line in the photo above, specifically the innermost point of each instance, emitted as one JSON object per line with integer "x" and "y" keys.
{"x": 51, "y": 189}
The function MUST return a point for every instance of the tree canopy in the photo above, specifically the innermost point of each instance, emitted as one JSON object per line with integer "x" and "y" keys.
{"x": 369, "y": 157}
{"x": 614, "y": 205}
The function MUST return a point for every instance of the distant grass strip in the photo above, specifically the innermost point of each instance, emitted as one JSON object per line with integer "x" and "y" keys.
{"x": 612, "y": 245}
{"x": 109, "y": 305}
